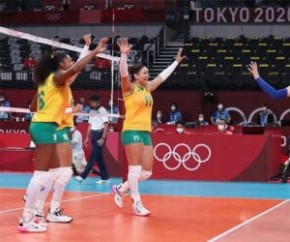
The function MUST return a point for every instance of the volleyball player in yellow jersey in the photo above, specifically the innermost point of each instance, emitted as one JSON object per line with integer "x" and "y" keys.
{"x": 51, "y": 75}
{"x": 137, "y": 125}
{"x": 61, "y": 171}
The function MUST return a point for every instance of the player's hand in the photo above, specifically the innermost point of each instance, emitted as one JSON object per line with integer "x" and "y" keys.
{"x": 101, "y": 142}
{"x": 87, "y": 39}
{"x": 253, "y": 68}
{"x": 179, "y": 58}
{"x": 102, "y": 44}
{"x": 86, "y": 142}
{"x": 124, "y": 46}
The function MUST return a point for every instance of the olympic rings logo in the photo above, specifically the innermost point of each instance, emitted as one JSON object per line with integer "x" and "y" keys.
{"x": 53, "y": 17}
{"x": 183, "y": 158}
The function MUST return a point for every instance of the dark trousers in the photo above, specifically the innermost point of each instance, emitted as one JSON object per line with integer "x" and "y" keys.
{"x": 96, "y": 156}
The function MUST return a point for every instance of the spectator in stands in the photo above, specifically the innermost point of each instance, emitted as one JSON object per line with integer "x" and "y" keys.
{"x": 28, "y": 116}
{"x": 223, "y": 127}
{"x": 220, "y": 113}
{"x": 180, "y": 128}
{"x": 201, "y": 121}
{"x": 158, "y": 118}
{"x": 264, "y": 116}
{"x": 174, "y": 115}
{"x": 4, "y": 116}
{"x": 29, "y": 63}
{"x": 86, "y": 109}
{"x": 112, "y": 109}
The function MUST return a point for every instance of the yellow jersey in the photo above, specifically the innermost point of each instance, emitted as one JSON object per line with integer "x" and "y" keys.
{"x": 68, "y": 118}
{"x": 50, "y": 104}
{"x": 138, "y": 109}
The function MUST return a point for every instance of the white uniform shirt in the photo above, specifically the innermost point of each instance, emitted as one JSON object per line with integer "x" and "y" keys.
{"x": 77, "y": 142}
{"x": 97, "y": 123}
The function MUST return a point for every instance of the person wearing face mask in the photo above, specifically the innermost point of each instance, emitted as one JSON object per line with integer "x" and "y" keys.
{"x": 180, "y": 128}
{"x": 4, "y": 116}
{"x": 220, "y": 113}
{"x": 97, "y": 131}
{"x": 201, "y": 121}
{"x": 158, "y": 119}
{"x": 28, "y": 116}
{"x": 174, "y": 115}
{"x": 112, "y": 109}
{"x": 223, "y": 127}
{"x": 264, "y": 116}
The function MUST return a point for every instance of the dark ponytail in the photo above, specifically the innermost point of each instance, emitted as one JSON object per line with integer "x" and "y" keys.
{"x": 135, "y": 70}
{"x": 47, "y": 64}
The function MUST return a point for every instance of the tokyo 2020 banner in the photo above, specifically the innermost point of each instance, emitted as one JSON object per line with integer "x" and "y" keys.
{"x": 269, "y": 15}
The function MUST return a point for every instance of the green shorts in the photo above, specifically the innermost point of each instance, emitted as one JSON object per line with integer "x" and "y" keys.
{"x": 63, "y": 135}
{"x": 43, "y": 132}
{"x": 134, "y": 136}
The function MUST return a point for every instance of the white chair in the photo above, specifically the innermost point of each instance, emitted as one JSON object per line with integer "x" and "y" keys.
{"x": 14, "y": 47}
{"x": 17, "y": 67}
{"x": 16, "y": 60}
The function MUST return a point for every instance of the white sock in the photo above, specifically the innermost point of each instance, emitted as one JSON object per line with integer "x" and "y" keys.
{"x": 144, "y": 175}
{"x": 54, "y": 173}
{"x": 133, "y": 180}
{"x": 59, "y": 187}
{"x": 36, "y": 184}
{"x": 124, "y": 188}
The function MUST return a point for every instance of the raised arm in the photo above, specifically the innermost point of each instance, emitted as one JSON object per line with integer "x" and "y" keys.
{"x": 88, "y": 40}
{"x": 268, "y": 89}
{"x": 125, "y": 48}
{"x": 152, "y": 85}
{"x": 62, "y": 77}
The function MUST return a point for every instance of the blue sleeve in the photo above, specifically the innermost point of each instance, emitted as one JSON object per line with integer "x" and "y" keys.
{"x": 271, "y": 91}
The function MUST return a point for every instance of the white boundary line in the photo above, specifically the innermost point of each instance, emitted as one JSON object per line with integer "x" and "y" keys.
{"x": 65, "y": 200}
{"x": 216, "y": 238}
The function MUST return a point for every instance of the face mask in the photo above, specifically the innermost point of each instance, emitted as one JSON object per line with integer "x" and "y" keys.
{"x": 179, "y": 130}
{"x": 200, "y": 119}
{"x": 221, "y": 127}
{"x": 173, "y": 108}
{"x": 159, "y": 115}
{"x": 220, "y": 107}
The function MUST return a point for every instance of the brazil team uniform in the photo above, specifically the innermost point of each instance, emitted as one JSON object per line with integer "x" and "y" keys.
{"x": 50, "y": 110}
{"x": 63, "y": 130}
{"x": 138, "y": 118}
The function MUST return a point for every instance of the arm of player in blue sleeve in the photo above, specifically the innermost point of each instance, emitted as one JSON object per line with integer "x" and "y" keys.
{"x": 271, "y": 91}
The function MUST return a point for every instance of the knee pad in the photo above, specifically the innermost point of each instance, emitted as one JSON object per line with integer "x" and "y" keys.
{"x": 144, "y": 175}
{"x": 134, "y": 172}
{"x": 65, "y": 174}
{"x": 40, "y": 178}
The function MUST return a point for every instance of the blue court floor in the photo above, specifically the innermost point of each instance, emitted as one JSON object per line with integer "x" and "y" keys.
{"x": 168, "y": 187}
